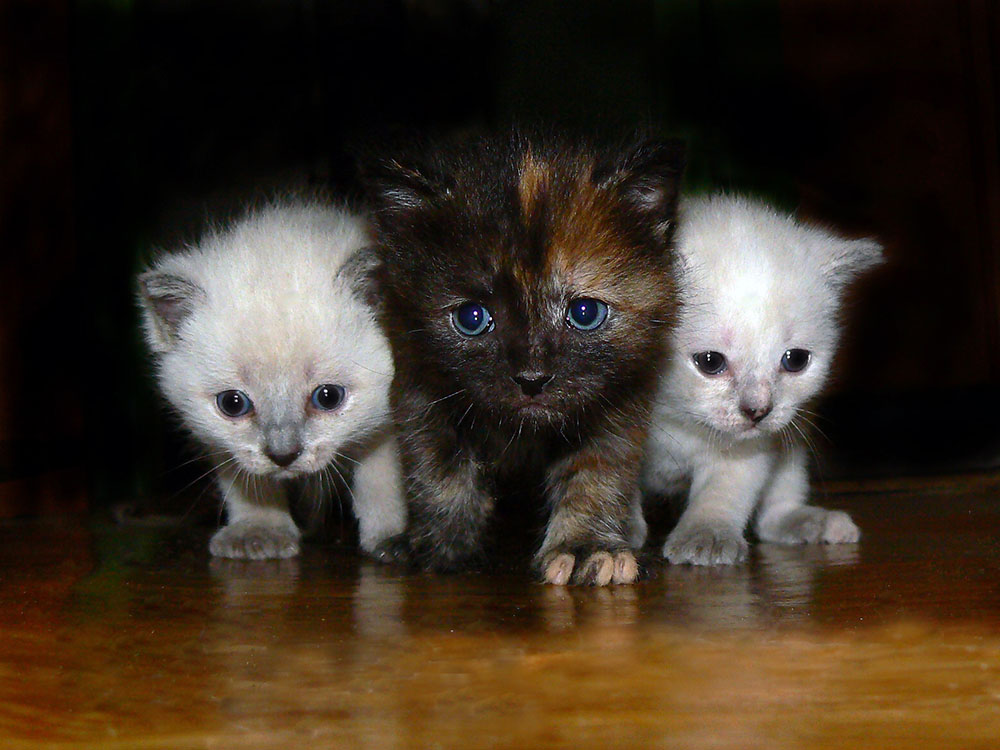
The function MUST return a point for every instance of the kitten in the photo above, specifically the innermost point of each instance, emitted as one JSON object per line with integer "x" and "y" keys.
{"x": 753, "y": 345}
{"x": 268, "y": 352}
{"x": 526, "y": 286}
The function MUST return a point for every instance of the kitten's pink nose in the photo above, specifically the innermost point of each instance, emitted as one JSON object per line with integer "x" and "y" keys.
{"x": 755, "y": 414}
{"x": 283, "y": 458}
{"x": 531, "y": 383}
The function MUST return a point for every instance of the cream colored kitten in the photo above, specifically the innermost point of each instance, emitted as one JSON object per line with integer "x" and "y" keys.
{"x": 266, "y": 349}
{"x": 753, "y": 346}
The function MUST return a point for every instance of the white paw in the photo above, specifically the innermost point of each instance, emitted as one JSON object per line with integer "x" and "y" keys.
{"x": 251, "y": 540}
{"x": 809, "y": 525}
{"x": 705, "y": 545}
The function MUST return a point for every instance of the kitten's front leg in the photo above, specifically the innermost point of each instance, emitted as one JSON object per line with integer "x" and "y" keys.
{"x": 724, "y": 491}
{"x": 379, "y": 503}
{"x": 593, "y": 515}
{"x": 638, "y": 529}
{"x": 258, "y": 526}
{"x": 784, "y": 517}
{"x": 450, "y": 503}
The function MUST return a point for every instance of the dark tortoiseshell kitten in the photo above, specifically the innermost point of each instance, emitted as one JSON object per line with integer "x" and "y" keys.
{"x": 526, "y": 286}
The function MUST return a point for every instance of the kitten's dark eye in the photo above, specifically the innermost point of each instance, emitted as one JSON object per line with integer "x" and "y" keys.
{"x": 328, "y": 397}
{"x": 796, "y": 360}
{"x": 710, "y": 363}
{"x": 586, "y": 314}
{"x": 234, "y": 403}
{"x": 472, "y": 319}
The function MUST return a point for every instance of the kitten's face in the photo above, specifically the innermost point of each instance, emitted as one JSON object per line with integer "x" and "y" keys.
{"x": 533, "y": 289}
{"x": 759, "y": 327}
{"x": 265, "y": 349}
{"x": 276, "y": 402}
{"x": 533, "y": 339}
{"x": 750, "y": 354}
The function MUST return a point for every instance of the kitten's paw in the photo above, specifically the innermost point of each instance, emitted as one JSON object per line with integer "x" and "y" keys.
{"x": 393, "y": 551}
{"x": 705, "y": 545}
{"x": 808, "y": 525}
{"x": 248, "y": 540}
{"x": 600, "y": 568}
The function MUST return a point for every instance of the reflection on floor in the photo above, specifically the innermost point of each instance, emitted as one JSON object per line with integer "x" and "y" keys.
{"x": 122, "y": 638}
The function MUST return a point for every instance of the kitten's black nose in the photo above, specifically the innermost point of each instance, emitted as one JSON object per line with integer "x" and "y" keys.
{"x": 531, "y": 383}
{"x": 283, "y": 458}
{"x": 755, "y": 413}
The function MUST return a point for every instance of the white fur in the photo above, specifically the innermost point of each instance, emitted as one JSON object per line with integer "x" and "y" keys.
{"x": 268, "y": 307}
{"x": 754, "y": 283}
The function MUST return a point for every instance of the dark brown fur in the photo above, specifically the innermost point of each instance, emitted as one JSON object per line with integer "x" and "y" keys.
{"x": 524, "y": 225}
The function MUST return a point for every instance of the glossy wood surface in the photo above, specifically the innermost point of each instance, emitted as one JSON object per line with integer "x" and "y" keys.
{"x": 133, "y": 638}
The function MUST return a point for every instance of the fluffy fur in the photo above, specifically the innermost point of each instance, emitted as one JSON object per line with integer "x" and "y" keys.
{"x": 756, "y": 284}
{"x": 273, "y": 308}
{"x": 525, "y": 226}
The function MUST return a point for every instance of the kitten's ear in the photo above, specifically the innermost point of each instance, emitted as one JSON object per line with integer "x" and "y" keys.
{"x": 167, "y": 299}
{"x": 848, "y": 259}
{"x": 401, "y": 184}
{"x": 361, "y": 274}
{"x": 648, "y": 177}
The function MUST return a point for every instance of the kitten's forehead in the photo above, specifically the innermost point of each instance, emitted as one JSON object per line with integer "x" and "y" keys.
{"x": 534, "y": 177}
{"x": 268, "y": 336}
{"x": 751, "y": 273}
{"x": 569, "y": 230}
{"x": 754, "y": 303}
{"x": 732, "y": 238}
{"x": 750, "y": 307}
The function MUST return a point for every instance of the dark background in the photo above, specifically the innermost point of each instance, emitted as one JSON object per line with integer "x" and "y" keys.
{"x": 125, "y": 123}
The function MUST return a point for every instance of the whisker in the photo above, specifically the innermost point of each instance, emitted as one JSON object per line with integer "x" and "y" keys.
{"x": 334, "y": 489}
{"x": 212, "y": 470}
{"x": 346, "y": 484}
{"x": 464, "y": 414}
{"x": 365, "y": 367}
{"x": 428, "y": 407}
{"x": 344, "y": 456}
{"x": 805, "y": 438}
{"x": 813, "y": 425}
{"x": 196, "y": 459}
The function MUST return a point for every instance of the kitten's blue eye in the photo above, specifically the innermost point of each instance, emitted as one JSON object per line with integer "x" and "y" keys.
{"x": 586, "y": 314}
{"x": 796, "y": 360}
{"x": 472, "y": 319}
{"x": 234, "y": 403}
{"x": 710, "y": 363}
{"x": 328, "y": 397}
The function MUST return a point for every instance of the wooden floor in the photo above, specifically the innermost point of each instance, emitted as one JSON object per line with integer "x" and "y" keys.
{"x": 134, "y": 638}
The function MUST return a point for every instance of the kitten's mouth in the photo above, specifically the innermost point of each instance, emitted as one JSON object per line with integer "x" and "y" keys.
{"x": 747, "y": 431}
{"x": 533, "y": 407}
{"x": 283, "y": 474}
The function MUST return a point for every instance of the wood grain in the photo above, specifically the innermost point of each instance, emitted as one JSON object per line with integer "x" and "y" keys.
{"x": 134, "y": 638}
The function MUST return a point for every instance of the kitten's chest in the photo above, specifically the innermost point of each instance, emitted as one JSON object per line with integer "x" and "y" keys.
{"x": 518, "y": 452}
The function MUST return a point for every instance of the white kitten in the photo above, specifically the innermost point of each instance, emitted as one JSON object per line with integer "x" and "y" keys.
{"x": 268, "y": 352}
{"x": 753, "y": 345}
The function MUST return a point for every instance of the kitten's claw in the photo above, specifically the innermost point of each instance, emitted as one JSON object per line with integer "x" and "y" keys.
{"x": 596, "y": 570}
{"x": 393, "y": 551}
{"x": 559, "y": 568}
{"x": 705, "y": 545}
{"x": 809, "y": 525}
{"x": 254, "y": 541}
{"x": 599, "y": 568}
{"x": 626, "y": 568}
